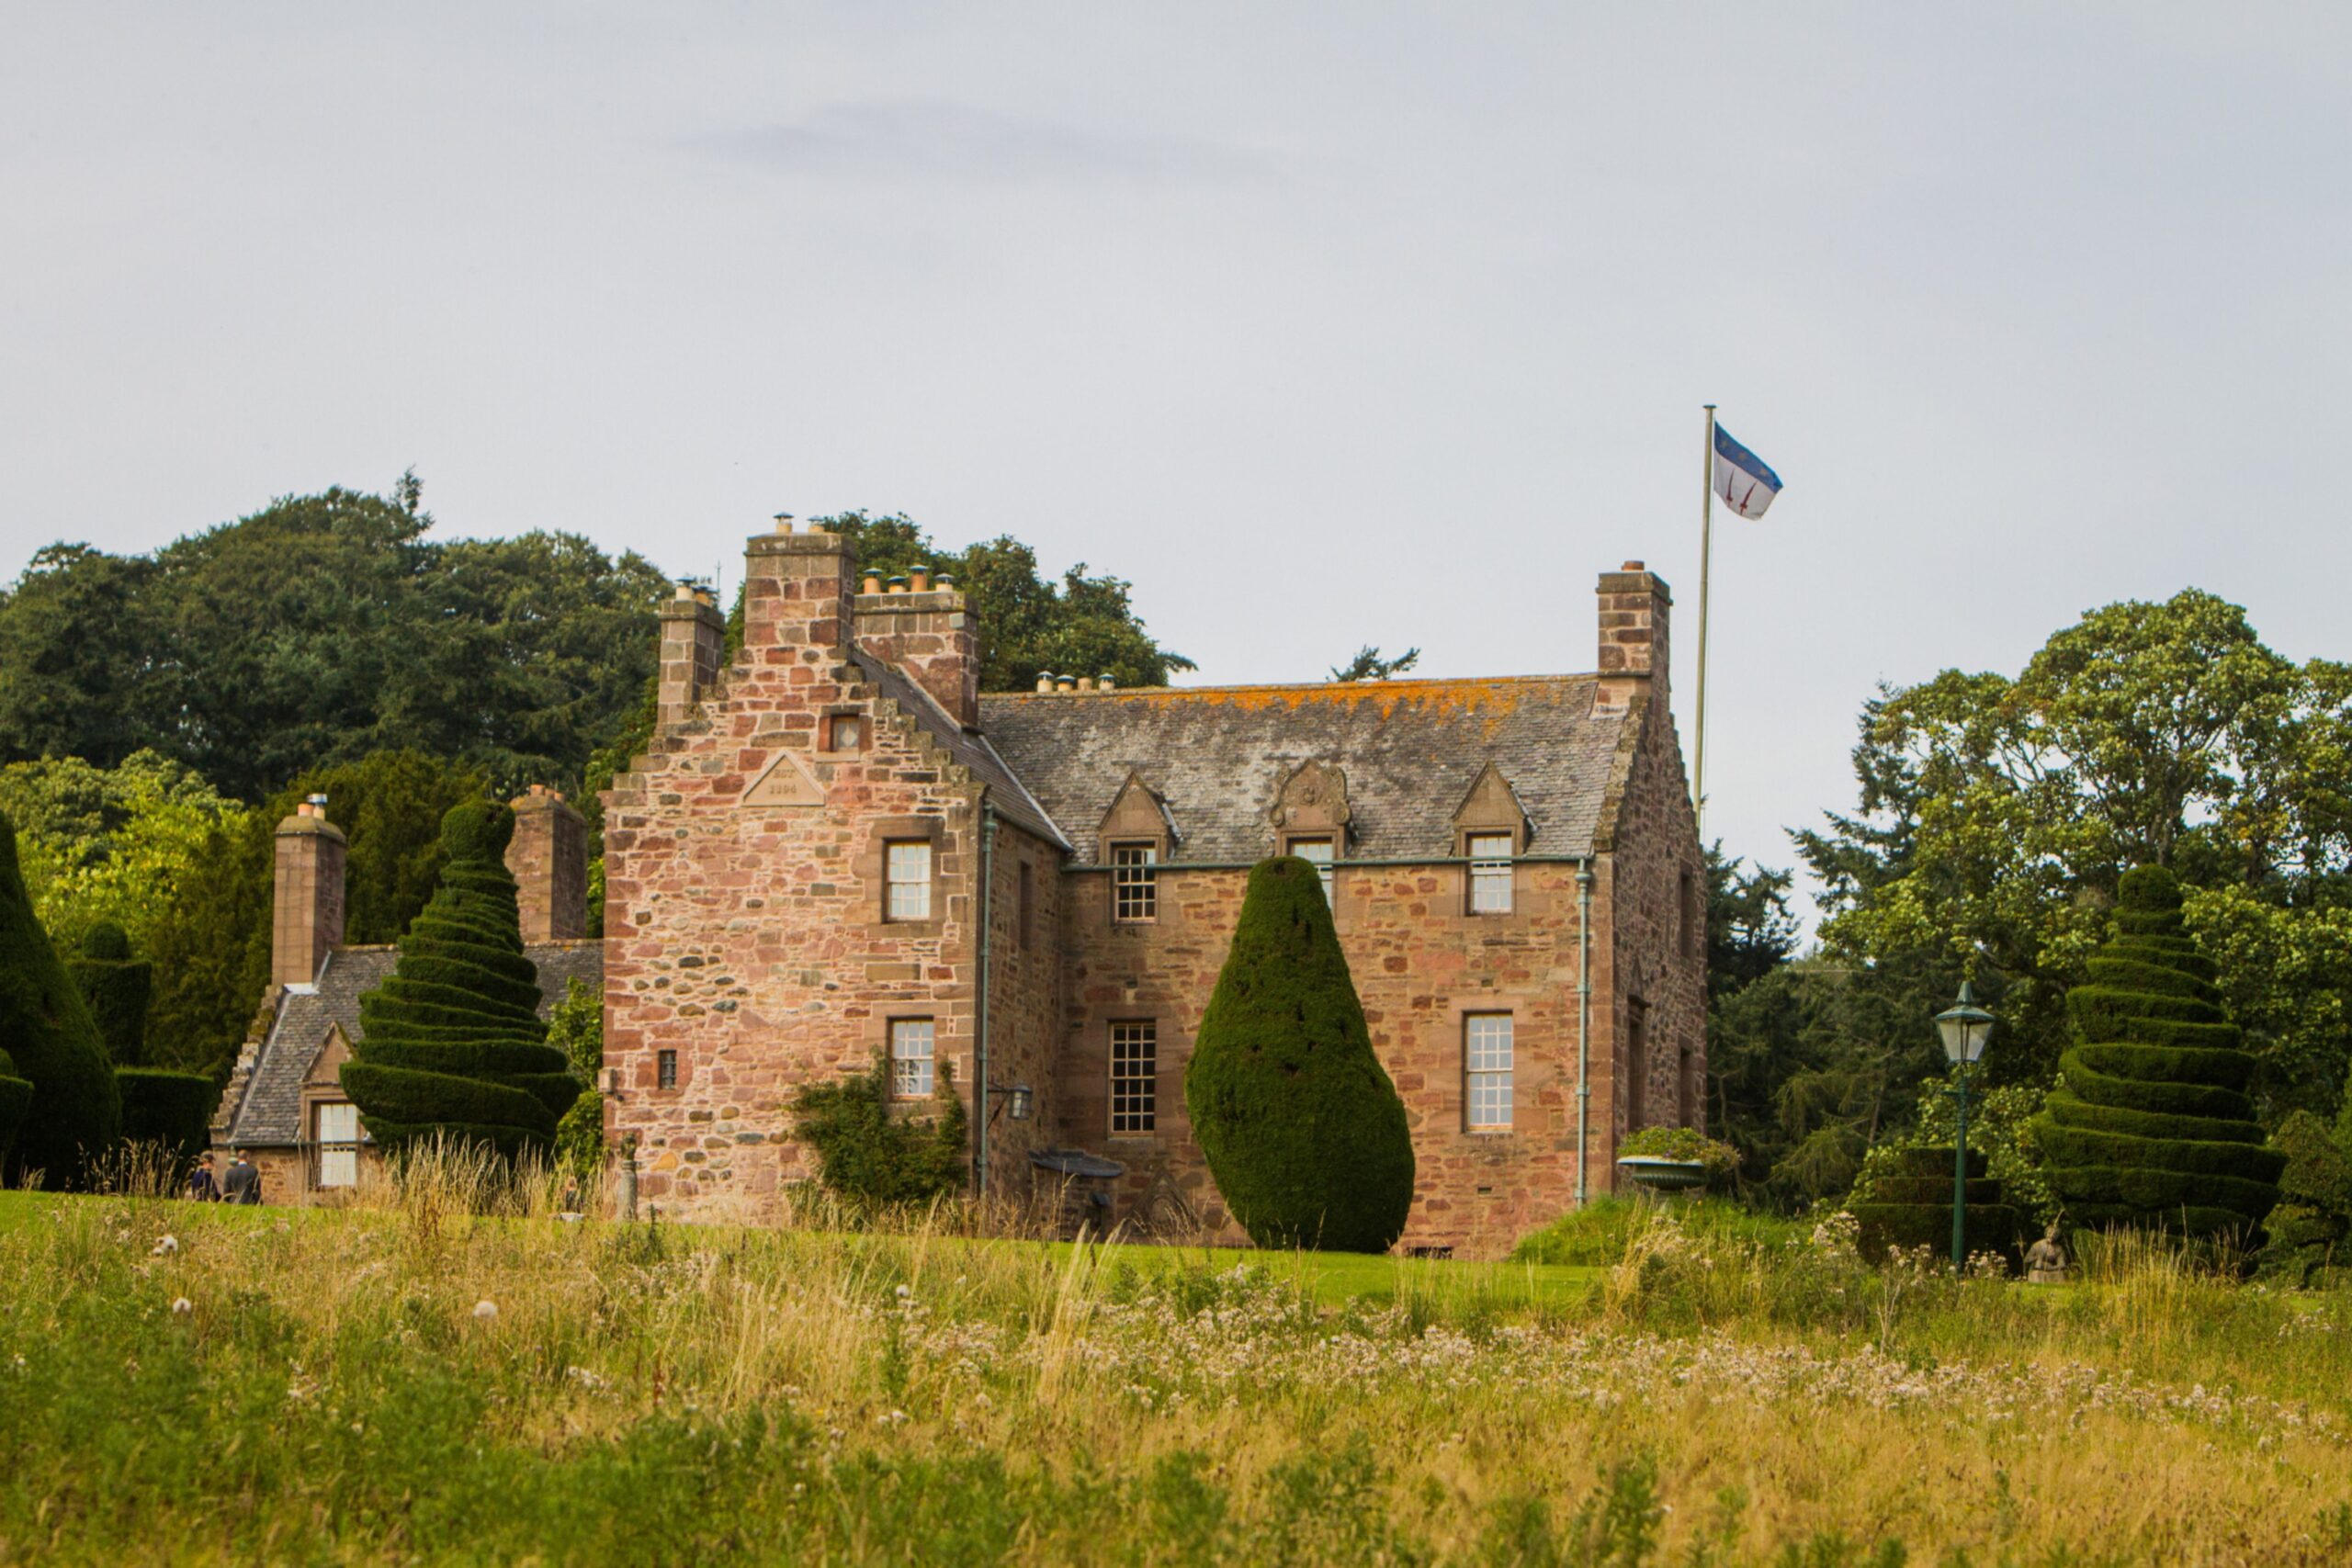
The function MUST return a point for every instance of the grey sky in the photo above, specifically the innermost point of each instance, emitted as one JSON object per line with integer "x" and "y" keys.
{"x": 1323, "y": 325}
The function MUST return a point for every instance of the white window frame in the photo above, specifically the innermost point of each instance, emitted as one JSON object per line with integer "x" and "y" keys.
{"x": 1489, "y": 1053}
{"x": 1135, "y": 882}
{"x": 1491, "y": 873}
{"x": 906, "y": 876}
{"x": 338, "y": 1156}
{"x": 914, "y": 1044}
{"x": 1323, "y": 860}
{"x": 1135, "y": 1078}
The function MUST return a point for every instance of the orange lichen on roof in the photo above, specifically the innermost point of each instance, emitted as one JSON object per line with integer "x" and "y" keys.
{"x": 1494, "y": 696}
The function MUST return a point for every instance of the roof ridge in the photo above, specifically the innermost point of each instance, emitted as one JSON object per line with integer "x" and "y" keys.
{"x": 1335, "y": 688}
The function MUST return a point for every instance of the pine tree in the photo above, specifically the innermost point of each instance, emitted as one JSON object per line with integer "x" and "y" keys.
{"x": 117, "y": 988}
{"x": 1301, "y": 1127}
{"x": 47, "y": 1030}
{"x": 2152, "y": 1127}
{"x": 452, "y": 1044}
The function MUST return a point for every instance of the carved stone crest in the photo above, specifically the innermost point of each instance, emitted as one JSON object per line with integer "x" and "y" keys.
{"x": 1312, "y": 796}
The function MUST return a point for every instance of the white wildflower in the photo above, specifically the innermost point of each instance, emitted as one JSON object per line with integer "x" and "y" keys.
{"x": 165, "y": 1247}
{"x": 485, "y": 1309}
{"x": 181, "y": 1307}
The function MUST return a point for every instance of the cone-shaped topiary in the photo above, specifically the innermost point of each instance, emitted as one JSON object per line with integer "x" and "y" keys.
{"x": 452, "y": 1044}
{"x": 45, "y": 1028}
{"x": 2152, "y": 1127}
{"x": 171, "y": 1109}
{"x": 16, "y": 1098}
{"x": 117, "y": 988}
{"x": 1302, "y": 1128}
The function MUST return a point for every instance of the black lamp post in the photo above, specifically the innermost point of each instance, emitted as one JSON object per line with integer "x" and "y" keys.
{"x": 1965, "y": 1027}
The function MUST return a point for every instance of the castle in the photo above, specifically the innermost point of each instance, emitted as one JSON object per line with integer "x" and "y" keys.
{"x": 837, "y": 849}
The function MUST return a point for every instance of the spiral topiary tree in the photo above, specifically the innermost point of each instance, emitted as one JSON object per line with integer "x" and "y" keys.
{"x": 47, "y": 1030}
{"x": 117, "y": 988}
{"x": 2152, "y": 1127}
{"x": 451, "y": 1043}
{"x": 1302, "y": 1128}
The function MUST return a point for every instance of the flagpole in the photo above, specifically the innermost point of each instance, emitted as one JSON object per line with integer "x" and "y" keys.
{"x": 1707, "y": 558}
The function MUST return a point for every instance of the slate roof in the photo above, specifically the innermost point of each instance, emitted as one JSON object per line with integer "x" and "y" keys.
{"x": 1012, "y": 797}
{"x": 1411, "y": 751}
{"x": 271, "y": 1111}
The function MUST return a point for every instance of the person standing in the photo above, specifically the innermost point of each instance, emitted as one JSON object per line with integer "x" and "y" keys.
{"x": 203, "y": 1186}
{"x": 243, "y": 1183}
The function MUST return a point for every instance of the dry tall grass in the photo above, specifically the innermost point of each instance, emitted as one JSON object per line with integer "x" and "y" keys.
{"x": 450, "y": 1373}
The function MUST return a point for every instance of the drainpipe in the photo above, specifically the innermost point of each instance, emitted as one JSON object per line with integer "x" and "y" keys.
{"x": 1584, "y": 1019}
{"x": 981, "y": 1006}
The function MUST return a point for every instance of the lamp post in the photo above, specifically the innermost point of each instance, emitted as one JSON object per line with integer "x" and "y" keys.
{"x": 1965, "y": 1027}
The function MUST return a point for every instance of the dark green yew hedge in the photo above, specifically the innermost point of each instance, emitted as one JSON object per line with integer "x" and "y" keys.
{"x": 16, "y": 1098}
{"x": 1931, "y": 1190}
{"x": 1299, "y": 1122}
{"x": 117, "y": 988}
{"x": 1927, "y": 1163}
{"x": 171, "y": 1109}
{"x": 452, "y": 1044}
{"x": 2153, "y": 1129}
{"x": 45, "y": 1026}
{"x": 1991, "y": 1228}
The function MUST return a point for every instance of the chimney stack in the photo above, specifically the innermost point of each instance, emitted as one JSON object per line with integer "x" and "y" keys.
{"x": 549, "y": 855}
{"x": 1636, "y": 606}
{"x": 796, "y": 591}
{"x": 920, "y": 626}
{"x": 692, "y": 632}
{"x": 306, "y": 908}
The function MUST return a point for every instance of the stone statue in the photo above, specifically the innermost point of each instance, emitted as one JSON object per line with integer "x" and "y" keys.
{"x": 2045, "y": 1260}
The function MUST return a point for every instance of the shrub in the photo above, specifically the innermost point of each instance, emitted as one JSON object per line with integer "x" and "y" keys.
{"x": 452, "y": 1042}
{"x": 47, "y": 1030}
{"x": 171, "y": 1109}
{"x": 2152, "y": 1128}
{"x": 1598, "y": 1233}
{"x": 1721, "y": 1160}
{"x": 576, "y": 1027}
{"x": 117, "y": 988}
{"x": 1905, "y": 1203}
{"x": 2305, "y": 1234}
{"x": 868, "y": 1154}
{"x": 1301, "y": 1127}
{"x": 16, "y": 1098}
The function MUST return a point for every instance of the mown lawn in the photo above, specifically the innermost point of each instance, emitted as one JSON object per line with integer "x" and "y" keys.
{"x": 415, "y": 1384}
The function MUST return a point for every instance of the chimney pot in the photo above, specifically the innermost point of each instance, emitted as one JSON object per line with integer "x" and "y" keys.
{"x": 1634, "y": 566}
{"x": 872, "y": 583}
{"x": 918, "y": 579}
{"x": 1046, "y": 681}
{"x": 1106, "y": 684}
{"x": 1086, "y": 682}
{"x": 945, "y": 583}
{"x": 784, "y": 522}
{"x": 898, "y": 585}
{"x": 1064, "y": 683}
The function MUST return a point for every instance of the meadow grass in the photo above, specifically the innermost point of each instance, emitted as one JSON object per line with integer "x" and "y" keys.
{"x": 417, "y": 1381}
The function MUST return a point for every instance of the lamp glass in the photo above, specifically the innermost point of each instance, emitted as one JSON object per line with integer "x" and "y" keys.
{"x": 1964, "y": 1027}
{"x": 1021, "y": 1098}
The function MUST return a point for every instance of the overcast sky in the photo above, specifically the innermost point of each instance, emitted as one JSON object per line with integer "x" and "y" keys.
{"x": 1322, "y": 324}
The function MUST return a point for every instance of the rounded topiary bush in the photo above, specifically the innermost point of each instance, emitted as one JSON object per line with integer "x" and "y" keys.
{"x": 2152, "y": 1127}
{"x": 1301, "y": 1126}
{"x": 117, "y": 988}
{"x": 1909, "y": 1205}
{"x": 451, "y": 1043}
{"x": 45, "y": 1028}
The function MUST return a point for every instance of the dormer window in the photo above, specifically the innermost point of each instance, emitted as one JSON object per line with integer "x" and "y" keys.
{"x": 1135, "y": 882}
{"x": 1490, "y": 873}
{"x": 1491, "y": 833}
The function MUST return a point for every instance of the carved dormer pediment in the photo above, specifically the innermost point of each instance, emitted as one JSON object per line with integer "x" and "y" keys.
{"x": 787, "y": 780}
{"x": 1139, "y": 813}
{"x": 1312, "y": 799}
{"x": 325, "y": 1071}
{"x": 1491, "y": 806}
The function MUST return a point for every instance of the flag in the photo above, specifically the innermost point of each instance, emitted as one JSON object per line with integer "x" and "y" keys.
{"x": 1747, "y": 486}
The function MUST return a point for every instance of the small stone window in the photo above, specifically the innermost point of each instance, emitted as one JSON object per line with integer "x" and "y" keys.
{"x": 907, "y": 870}
{"x": 665, "y": 1069}
{"x": 1490, "y": 873}
{"x": 845, "y": 733}
{"x": 1487, "y": 1059}
{"x": 910, "y": 1058}
{"x": 1135, "y": 1078}
{"x": 1317, "y": 852}
{"x": 1135, "y": 882}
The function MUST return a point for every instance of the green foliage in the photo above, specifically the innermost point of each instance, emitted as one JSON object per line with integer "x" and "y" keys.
{"x": 867, "y": 1154}
{"x": 117, "y": 988}
{"x": 1301, "y": 1129}
{"x": 2305, "y": 1235}
{"x": 1598, "y": 1233}
{"x": 15, "y": 1100}
{"x": 461, "y": 985}
{"x": 1997, "y": 816}
{"x": 1721, "y": 1159}
{"x": 115, "y": 845}
{"x": 1368, "y": 665}
{"x": 2150, "y": 1134}
{"x": 1082, "y": 625}
{"x": 52, "y": 1042}
{"x": 317, "y": 630}
{"x": 576, "y": 1028}
{"x": 2001, "y": 1144}
{"x": 171, "y": 1109}
{"x": 212, "y": 947}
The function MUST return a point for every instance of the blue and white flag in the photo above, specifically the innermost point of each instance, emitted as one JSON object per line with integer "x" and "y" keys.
{"x": 1747, "y": 486}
